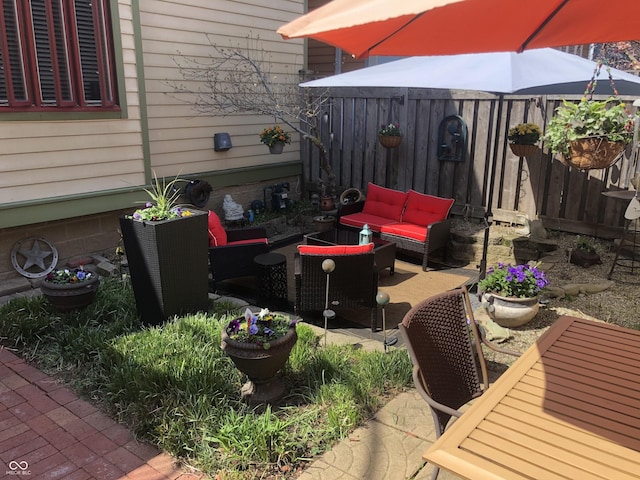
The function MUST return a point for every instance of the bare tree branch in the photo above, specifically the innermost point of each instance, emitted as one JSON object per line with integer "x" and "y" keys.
{"x": 241, "y": 80}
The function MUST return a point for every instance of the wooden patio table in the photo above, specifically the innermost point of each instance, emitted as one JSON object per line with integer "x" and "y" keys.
{"x": 568, "y": 408}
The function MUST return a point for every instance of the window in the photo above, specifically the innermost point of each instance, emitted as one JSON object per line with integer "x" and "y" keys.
{"x": 56, "y": 54}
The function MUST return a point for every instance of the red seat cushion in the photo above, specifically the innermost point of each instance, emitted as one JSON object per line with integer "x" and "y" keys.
{"x": 358, "y": 220}
{"x": 407, "y": 230}
{"x": 217, "y": 233}
{"x": 335, "y": 249}
{"x": 425, "y": 209}
{"x": 384, "y": 202}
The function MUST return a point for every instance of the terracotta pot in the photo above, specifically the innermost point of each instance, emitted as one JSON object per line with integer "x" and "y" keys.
{"x": 260, "y": 366}
{"x": 327, "y": 203}
{"x": 70, "y": 296}
{"x": 523, "y": 150}
{"x": 322, "y": 223}
{"x": 389, "y": 141}
{"x": 276, "y": 147}
{"x": 510, "y": 312}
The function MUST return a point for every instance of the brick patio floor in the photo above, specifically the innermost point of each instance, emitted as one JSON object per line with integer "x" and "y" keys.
{"x": 47, "y": 432}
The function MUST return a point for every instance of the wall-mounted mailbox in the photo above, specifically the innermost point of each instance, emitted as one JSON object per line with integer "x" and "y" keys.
{"x": 221, "y": 142}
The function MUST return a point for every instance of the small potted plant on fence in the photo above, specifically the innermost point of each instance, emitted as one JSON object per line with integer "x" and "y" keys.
{"x": 590, "y": 134}
{"x": 259, "y": 346}
{"x": 275, "y": 138}
{"x": 510, "y": 293}
{"x": 523, "y": 138}
{"x": 167, "y": 253}
{"x": 70, "y": 288}
{"x": 390, "y": 135}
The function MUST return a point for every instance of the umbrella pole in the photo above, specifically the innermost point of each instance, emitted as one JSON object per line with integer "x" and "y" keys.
{"x": 488, "y": 216}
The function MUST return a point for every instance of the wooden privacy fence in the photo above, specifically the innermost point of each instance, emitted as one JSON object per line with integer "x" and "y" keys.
{"x": 487, "y": 176}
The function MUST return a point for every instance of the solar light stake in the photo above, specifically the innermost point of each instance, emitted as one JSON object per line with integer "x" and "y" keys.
{"x": 328, "y": 265}
{"x": 382, "y": 299}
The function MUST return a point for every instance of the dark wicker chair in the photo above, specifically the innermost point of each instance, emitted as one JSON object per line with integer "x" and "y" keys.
{"x": 445, "y": 364}
{"x": 235, "y": 259}
{"x": 353, "y": 283}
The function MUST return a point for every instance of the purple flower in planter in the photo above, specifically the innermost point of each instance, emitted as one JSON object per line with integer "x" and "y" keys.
{"x": 253, "y": 329}
{"x": 233, "y": 327}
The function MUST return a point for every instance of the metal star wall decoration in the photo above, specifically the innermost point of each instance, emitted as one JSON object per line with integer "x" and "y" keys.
{"x": 41, "y": 256}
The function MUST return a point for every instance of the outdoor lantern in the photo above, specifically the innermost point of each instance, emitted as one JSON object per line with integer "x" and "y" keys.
{"x": 221, "y": 142}
{"x": 366, "y": 236}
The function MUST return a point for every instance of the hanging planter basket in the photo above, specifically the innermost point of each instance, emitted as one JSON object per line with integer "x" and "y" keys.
{"x": 593, "y": 153}
{"x": 390, "y": 141}
{"x": 523, "y": 149}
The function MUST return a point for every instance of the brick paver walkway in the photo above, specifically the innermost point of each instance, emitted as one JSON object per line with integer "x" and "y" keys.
{"x": 47, "y": 432}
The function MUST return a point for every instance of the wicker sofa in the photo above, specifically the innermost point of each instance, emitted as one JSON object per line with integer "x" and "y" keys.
{"x": 413, "y": 221}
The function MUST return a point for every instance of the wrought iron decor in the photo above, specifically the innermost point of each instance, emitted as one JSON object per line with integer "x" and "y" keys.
{"x": 452, "y": 139}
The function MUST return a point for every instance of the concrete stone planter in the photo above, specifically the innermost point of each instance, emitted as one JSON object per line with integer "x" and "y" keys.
{"x": 510, "y": 312}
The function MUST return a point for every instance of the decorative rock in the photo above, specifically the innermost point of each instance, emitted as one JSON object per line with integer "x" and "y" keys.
{"x": 553, "y": 292}
{"x": 571, "y": 289}
{"x": 577, "y": 288}
{"x": 584, "y": 258}
{"x": 524, "y": 255}
{"x": 108, "y": 269}
{"x": 597, "y": 287}
{"x": 493, "y": 331}
{"x": 551, "y": 259}
{"x": 537, "y": 230}
{"x": 543, "y": 245}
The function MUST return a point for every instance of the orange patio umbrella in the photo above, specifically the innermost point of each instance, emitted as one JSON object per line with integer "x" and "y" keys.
{"x": 446, "y": 27}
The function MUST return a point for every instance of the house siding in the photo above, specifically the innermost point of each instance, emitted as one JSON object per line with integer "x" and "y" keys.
{"x": 181, "y": 139}
{"x": 46, "y": 156}
{"x": 62, "y": 170}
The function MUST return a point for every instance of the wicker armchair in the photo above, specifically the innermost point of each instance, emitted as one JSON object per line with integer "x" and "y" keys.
{"x": 445, "y": 363}
{"x": 353, "y": 283}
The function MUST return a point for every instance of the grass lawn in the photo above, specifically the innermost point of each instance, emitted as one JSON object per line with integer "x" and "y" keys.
{"x": 174, "y": 387}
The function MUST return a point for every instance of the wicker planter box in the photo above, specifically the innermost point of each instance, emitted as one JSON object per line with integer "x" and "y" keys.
{"x": 168, "y": 264}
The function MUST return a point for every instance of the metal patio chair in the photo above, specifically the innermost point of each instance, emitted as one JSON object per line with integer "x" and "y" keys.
{"x": 440, "y": 333}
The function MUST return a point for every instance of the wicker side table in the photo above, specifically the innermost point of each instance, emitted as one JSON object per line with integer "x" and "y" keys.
{"x": 272, "y": 280}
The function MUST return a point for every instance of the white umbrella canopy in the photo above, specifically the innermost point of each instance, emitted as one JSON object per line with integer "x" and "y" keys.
{"x": 539, "y": 71}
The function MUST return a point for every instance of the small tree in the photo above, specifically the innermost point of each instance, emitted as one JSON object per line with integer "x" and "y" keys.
{"x": 240, "y": 80}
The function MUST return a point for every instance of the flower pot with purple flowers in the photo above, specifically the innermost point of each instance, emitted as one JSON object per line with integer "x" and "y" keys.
{"x": 70, "y": 289}
{"x": 510, "y": 293}
{"x": 259, "y": 346}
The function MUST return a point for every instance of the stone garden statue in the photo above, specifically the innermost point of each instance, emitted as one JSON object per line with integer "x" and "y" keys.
{"x": 232, "y": 210}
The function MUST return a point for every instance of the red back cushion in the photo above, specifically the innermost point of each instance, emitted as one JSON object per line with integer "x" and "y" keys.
{"x": 384, "y": 202}
{"x": 217, "y": 233}
{"x": 424, "y": 209}
{"x": 335, "y": 249}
